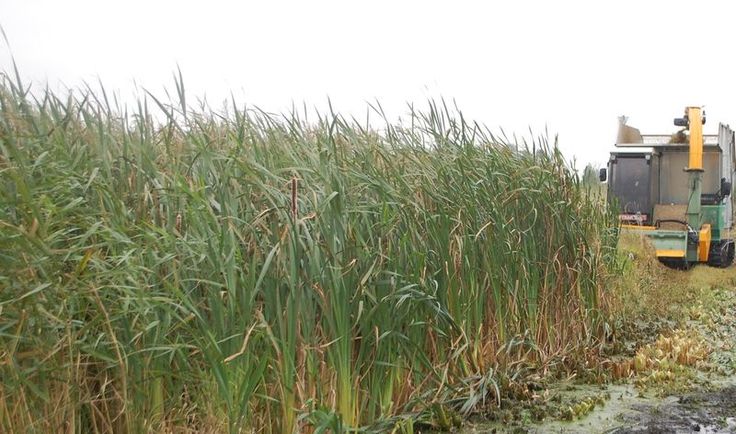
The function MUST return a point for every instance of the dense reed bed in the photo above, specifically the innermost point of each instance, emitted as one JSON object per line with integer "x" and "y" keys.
{"x": 171, "y": 269}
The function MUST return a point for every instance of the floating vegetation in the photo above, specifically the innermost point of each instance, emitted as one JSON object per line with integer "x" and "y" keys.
{"x": 583, "y": 407}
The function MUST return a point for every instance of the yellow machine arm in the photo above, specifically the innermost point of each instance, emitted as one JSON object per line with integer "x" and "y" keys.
{"x": 695, "y": 121}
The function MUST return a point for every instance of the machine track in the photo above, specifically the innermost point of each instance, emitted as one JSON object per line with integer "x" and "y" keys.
{"x": 721, "y": 254}
{"x": 677, "y": 263}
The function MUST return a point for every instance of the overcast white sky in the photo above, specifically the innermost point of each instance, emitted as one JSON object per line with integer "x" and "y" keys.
{"x": 572, "y": 66}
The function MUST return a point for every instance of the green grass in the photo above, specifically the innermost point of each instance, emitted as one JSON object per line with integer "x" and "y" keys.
{"x": 242, "y": 271}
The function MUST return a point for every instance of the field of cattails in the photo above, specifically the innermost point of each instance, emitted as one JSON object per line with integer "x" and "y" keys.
{"x": 165, "y": 267}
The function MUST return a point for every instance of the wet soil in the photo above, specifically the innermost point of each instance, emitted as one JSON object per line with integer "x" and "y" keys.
{"x": 702, "y": 412}
{"x": 712, "y": 409}
{"x": 701, "y": 399}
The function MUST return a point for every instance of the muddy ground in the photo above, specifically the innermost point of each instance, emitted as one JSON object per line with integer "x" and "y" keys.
{"x": 694, "y": 397}
{"x": 704, "y": 412}
{"x": 627, "y": 412}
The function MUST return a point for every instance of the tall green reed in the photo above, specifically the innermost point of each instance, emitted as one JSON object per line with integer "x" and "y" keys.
{"x": 249, "y": 271}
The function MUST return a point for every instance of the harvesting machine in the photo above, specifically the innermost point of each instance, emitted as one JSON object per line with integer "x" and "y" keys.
{"x": 676, "y": 189}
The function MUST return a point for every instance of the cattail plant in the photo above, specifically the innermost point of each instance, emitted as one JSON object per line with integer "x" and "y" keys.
{"x": 170, "y": 268}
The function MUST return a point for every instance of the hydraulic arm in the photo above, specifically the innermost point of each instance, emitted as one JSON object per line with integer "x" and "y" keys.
{"x": 694, "y": 121}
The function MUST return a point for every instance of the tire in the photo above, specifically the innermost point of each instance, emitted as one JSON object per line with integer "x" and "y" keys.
{"x": 721, "y": 254}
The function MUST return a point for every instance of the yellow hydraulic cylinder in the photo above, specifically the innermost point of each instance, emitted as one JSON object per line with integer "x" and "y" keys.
{"x": 695, "y": 166}
{"x": 696, "y": 138}
{"x": 704, "y": 243}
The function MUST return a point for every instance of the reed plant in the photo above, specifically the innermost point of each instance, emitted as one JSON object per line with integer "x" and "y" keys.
{"x": 175, "y": 268}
